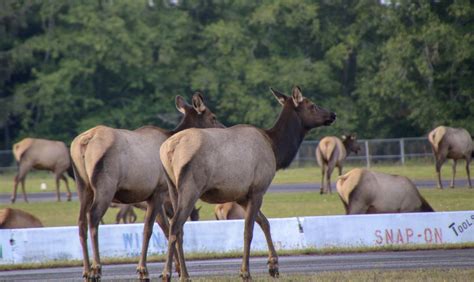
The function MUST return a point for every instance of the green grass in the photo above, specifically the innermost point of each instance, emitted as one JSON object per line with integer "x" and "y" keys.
{"x": 363, "y": 276}
{"x": 310, "y": 174}
{"x": 274, "y": 205}
{"x": 414, "y": 171}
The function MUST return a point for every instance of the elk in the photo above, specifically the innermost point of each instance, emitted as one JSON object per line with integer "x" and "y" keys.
{"x": 229, "y": 210}
{"x": 126, "y": 214}
{"x": 332, "y": 152}
{"x": 234, "y": 164}
{"x": 124, "y": 166}
{"x": 44, "y": 155}
{"x": 15, "y": 218}
{"x": 451, "y": 143}
{"x": 363, "y": 191}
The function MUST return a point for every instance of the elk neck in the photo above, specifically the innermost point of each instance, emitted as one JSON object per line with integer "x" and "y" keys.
{"x": 286, "y": 136}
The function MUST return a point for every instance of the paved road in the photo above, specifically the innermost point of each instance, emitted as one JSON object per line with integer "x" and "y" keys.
{"x": 463, "y": 258}
{"x": 274, "y": 188}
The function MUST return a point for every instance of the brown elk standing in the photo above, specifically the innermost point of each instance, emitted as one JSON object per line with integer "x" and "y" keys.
{"x": 364, "y": 191}
{"x": 124, "y": 166}
{"x": 332, "y": 152}
{"x": 45, "y": 155}
{"x": 15, "y": 218}
{"x": 229, "y": 210}
{"x": 234, "y": 164}
{"x": 451, "y": 143}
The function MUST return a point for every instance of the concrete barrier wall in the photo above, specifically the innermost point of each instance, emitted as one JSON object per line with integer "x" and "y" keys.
{"x": 62, "y": 243}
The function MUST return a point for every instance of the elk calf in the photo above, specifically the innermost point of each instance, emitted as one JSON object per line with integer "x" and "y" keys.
{"x": 451, "y": 143}
{"x": 332, "y": 152}
{"x": 229, "y": 210}
{"x": 45, "y": 155}
{"x": 364, "y": 191}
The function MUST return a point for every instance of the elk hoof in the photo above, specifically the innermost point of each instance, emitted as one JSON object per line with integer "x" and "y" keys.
{"x": 12, "y": 200}
{"x": 165, "y": 277}
{"x": 245, "y": 275}
{"x": 96, "y": 273}
{"x": 273, "y": 267}
{"x": 143, "y": 273}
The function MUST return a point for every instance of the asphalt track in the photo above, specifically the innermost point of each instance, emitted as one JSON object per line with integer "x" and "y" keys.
{"x": 307, "y": 264}
{"x": 274, "y": 188}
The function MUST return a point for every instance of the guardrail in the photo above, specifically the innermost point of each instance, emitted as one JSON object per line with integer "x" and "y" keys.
{"x": 348, "y": 231}
{"x": 396, "y": 151}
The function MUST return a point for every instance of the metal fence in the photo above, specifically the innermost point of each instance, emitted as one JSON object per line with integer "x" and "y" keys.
{"x": 374, "y": 151}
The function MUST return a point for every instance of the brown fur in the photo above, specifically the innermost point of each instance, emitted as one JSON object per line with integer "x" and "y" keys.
{"x": 15, "y": 218}
{"x": 124, "y": 166}
{"x": 229, "y": 210}
{"x": 235, "y": 164}
{"x": 330, "y": 153}
{"x": 44, "y": 155}
{"x": 364, "y": 191}
{"x": 451, "y": 143}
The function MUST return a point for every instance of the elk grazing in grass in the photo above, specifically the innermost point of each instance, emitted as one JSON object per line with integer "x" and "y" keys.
{"x": 363, "y": 191}
{"x": 229, "y": 210}
{"x": 234, "y": 164}
{"x": 44, "y": 155}
{"x": 126, "y": 214}
{"x": 15, "y": 218}
{"x": 124, "y": 166}
{"x": 451, "y": 143}
{"x": 332, "y": 152}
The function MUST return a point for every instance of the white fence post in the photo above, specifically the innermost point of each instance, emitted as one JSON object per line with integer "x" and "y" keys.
{"x": 402, "y": 151}
{"x": 367, "y": 153}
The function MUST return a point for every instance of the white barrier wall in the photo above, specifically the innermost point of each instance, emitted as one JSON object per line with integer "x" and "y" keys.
{"x": 62, "y": 243}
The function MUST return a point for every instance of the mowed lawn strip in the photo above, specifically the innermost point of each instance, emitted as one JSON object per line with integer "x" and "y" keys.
{"x": 310, "y": 174}
{"x": 275, "y": 205}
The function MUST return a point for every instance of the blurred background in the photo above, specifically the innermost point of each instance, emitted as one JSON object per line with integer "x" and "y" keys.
{"x": 389, "y": 69}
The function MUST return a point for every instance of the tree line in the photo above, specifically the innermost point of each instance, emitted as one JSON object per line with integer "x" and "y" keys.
{"x": 388, "y": 68}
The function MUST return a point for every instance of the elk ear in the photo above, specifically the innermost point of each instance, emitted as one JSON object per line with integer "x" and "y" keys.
{"x": 279, "y": 96}
{"x": 296, "y": 95}
{"x": 198, "y": 103}
{"x": 181, "y": 104}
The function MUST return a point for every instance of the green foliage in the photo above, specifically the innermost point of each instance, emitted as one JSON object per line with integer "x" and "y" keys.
{"x": 388, "y": 70}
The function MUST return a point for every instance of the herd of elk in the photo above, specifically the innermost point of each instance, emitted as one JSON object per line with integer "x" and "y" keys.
{"x": 451, "y": 143}
{"x": 124, "y": 166}
{"x": 165, "y": 172}
{"x": 234, "y": 164}
{"x": 44, "y": 155}
{"x": 332, "y": 152}
{"x": 364, "y": 191}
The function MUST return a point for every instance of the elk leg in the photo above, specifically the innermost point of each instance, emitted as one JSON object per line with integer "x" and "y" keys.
{"x": 57, "y": 188}
{"x": 340, "y": 169}
{"x": 85, "y": 199}
{"x": 328, "y": 177}
{"x": 23, "y": 190}
{"x": 468, "y": 161}
{"x": 154, "y": 207}
{"x": 253, "y": 207}
{"x": 183, "y": 205}
{"x": 98, "y": 208}
{"x": 20, "y": 177}
{"x": 439, "y": 164}
{"x": 323, "y": 169}
{"x": 163, "y": 222}
{"x": 272, "y": 255}
{"x": 69, "y": 195}
{"x": 454, "y": 173}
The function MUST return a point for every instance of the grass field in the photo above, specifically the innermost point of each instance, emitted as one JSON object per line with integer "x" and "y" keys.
{"x": 311, "y": 174}
{"x": 274, "y": 205}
